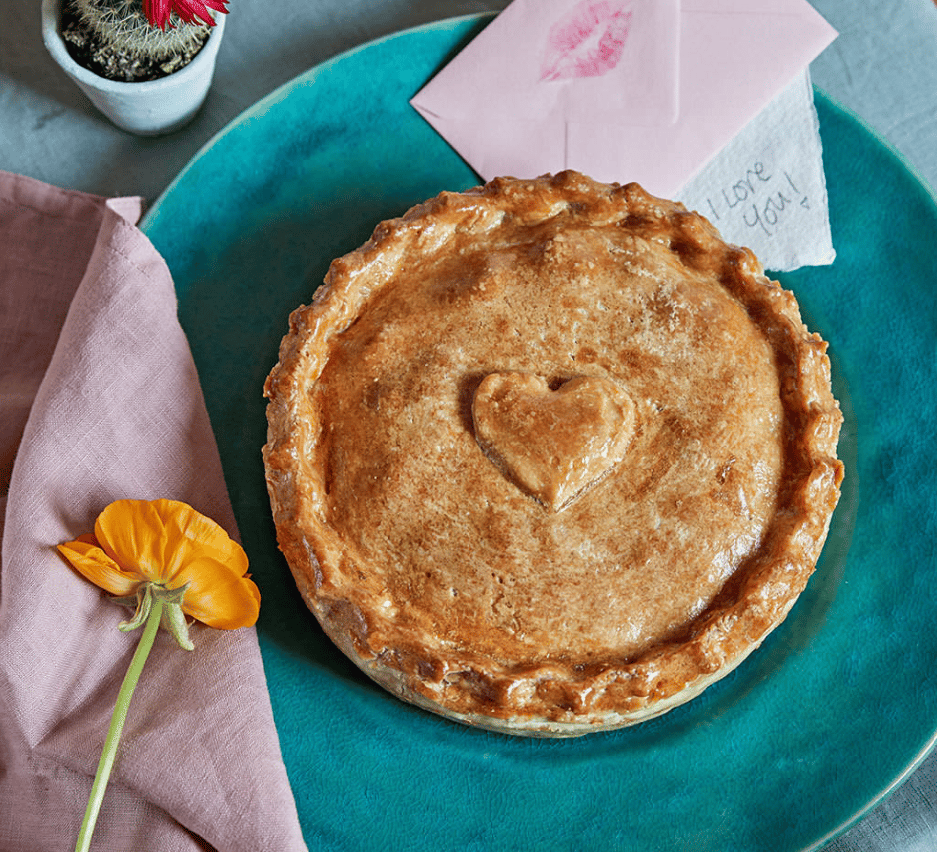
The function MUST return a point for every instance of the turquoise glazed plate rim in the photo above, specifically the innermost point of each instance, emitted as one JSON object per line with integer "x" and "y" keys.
{"x": 836, "y": 707}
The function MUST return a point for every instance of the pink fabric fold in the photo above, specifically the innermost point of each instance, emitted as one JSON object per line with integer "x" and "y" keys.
{"x": 100, "y": 400}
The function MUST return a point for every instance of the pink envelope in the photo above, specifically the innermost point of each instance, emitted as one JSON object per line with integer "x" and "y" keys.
{"x": 607, "y": 106}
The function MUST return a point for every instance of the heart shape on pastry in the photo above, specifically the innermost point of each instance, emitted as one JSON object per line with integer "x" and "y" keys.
{"x": 553, "y": 444}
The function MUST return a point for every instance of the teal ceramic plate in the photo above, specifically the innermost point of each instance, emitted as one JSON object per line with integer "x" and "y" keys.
{"x": 836, "y": 707}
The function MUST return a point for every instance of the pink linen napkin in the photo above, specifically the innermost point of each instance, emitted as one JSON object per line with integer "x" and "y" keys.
{"x": 100, "y": 400}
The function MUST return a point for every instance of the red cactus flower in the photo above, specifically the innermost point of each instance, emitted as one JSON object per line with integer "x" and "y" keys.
{"x": 158, "y": 12}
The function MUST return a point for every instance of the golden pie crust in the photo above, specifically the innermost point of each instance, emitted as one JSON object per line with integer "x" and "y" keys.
{"x": 548, "y": 456}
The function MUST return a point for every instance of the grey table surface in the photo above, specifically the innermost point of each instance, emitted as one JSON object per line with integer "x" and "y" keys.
{"x": 883, "y": 67}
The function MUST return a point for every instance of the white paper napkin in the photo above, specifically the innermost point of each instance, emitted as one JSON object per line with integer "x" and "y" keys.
{"x": 766, "y": 189}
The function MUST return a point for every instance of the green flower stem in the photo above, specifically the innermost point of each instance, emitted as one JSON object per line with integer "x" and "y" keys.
{"x": 118, "y": 718}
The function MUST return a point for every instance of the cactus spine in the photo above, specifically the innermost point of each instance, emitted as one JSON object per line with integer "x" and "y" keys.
{"x": 122, "y": 24}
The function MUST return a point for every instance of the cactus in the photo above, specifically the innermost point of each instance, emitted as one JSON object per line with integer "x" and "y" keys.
{"x": 122, "y": 24}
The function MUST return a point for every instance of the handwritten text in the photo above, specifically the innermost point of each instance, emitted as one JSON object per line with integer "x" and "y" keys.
{"x": 761, "y": 199}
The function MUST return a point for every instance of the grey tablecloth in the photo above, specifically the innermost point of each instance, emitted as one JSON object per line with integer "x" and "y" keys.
{"x": 883, "y": 67}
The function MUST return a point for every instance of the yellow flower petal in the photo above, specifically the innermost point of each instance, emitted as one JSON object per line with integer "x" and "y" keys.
{"x": 218, "y": 597}
{"x": 159, "y": 537}
{"x": 133, "y": 533}
{"x": 95, "y": 565}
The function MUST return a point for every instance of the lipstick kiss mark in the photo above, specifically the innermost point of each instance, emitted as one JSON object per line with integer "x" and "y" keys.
{"x": 588, "y": 41}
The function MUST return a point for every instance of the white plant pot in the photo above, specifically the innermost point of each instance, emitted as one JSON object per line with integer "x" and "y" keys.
{"x": 148, "y": 108}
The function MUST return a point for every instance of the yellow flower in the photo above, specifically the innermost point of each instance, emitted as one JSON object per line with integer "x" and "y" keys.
{"x": 166, "y": 546}
{"x": 169, "y": 561}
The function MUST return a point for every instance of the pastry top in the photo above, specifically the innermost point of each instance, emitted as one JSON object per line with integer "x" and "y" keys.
{"x": 550, "y": 450}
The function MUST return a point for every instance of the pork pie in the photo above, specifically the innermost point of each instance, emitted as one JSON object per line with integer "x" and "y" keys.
{"x": 548, "y": 456}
